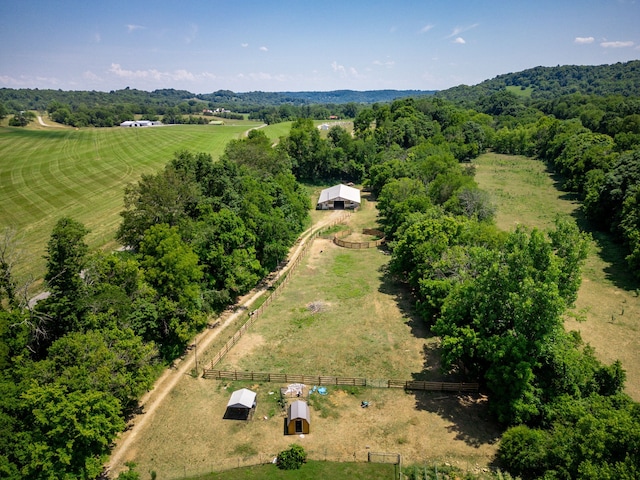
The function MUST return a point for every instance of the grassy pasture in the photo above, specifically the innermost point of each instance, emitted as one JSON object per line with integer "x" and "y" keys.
{"x": 49, "y": 172}
{"x": 363, "y": 326}
{"x": 526, "y": 92}
{"x": 607, "y": 312}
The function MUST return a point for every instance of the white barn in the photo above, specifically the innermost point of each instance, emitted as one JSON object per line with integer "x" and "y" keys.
{"x": 139, "y": 123}
{"x": 338, "y": 197}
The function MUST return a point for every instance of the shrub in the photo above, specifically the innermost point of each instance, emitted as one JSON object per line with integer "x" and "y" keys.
{"x": 293, "y": 458}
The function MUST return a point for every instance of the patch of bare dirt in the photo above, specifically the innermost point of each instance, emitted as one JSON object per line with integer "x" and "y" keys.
{"x": 318, "y": 306}
{"x": 315, "y": 255}
{"x": 250, "y": 341}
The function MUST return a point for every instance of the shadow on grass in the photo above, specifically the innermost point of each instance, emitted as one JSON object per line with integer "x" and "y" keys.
{"x": 468, "y": 413}
{"x": 609, "y": 250}
{"x": 405, "y": 302}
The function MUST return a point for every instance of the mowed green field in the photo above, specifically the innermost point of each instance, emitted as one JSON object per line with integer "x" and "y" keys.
{"x": 47, "y": 173}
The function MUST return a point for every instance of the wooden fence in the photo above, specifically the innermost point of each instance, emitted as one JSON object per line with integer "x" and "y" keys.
{"x": 337, "y": 239}
{"x": 383, "y": 457}
{"x": 280, "y": 283}
{"x": 340, "y": 381}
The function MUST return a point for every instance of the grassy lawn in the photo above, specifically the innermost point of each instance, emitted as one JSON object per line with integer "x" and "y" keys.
{"x": 607, "y": 312}
{"x": 311, "y": 470}
{"x": 47, "y": 173}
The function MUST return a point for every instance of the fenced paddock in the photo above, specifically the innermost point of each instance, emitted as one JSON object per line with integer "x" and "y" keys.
{"x": 279, "y": 285}
{"x": 456, "y": 387}
{"x": 338, "y": 239}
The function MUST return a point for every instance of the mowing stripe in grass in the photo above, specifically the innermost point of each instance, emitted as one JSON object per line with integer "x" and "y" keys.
{"x": 47, "y": 174}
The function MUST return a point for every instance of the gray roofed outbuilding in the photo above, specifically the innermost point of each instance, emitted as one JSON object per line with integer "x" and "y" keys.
{"x": 241, "y": 405}
{"x": 298, "y": 418}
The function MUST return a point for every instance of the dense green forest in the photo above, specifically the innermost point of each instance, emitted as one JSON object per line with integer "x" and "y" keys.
{"x": 552, "y": 82}
{"x": 200, "y": 233}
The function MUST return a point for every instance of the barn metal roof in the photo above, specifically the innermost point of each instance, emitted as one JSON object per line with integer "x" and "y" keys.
{"x": 339, "y": 192}
{"x": 243, "y": 398}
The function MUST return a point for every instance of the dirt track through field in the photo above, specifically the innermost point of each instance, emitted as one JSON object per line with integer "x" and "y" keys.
{"x": 170, "y": 378}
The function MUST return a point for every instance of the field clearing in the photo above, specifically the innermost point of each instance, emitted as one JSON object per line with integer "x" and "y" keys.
{"x": 608, "y": 304}
{"x": 363, "y": 327}
{"x": 339, "y": 290}
{"x": 50, "y": 172}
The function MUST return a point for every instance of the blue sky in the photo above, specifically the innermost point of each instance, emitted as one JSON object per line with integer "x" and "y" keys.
{"x": 208, "y": 45}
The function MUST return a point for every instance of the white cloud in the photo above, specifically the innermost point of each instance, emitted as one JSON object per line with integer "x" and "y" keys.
{"x": 8, "y": 80}
{"x": 584, "y": 40}
{"x": 343, "y": 71}
{"x": 264, "y": 49}
{"x": 262, "y": 76}
{"x": 89, "y": 75}
{"x": 458, "y": 30}
{"x": 338, "y": 68}
{"x": 28, "y": 81}
{"x": 388, "y": 63}
{"x": 244, "y": 45}
{"x": 132, "y": 28}
{"x": 459, "y": 40}
{"x": 97, "y": 38}
{"x": 616, "y": 44}
{"x": 157, "y": 75}
{"x": 426, "y": 28}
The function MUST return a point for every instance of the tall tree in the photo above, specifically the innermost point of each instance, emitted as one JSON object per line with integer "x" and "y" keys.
{"x": 66, "y": 255}
{"x": 497, "y": 324}
{"x": 71, "y": 432}
{"x": 168, "y": 197}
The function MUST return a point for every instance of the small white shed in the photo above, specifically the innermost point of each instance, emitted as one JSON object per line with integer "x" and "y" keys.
{"x": 241, "y": 405}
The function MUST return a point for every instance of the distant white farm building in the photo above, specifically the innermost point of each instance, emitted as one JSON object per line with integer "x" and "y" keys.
{"x": 339, "y": 197}
{"x": 139, "y": 123}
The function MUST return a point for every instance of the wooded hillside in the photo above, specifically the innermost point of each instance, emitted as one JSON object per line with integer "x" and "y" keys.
{"x": 550, "y": 82}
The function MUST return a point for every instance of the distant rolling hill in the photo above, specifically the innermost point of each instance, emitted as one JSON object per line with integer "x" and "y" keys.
{"x": 36, "y": 99}
{"x": 551, "y": 82}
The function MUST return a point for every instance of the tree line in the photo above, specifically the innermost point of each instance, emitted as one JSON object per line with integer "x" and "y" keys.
{"x": 107, "y": 109}
{"x": 594, "y": 144}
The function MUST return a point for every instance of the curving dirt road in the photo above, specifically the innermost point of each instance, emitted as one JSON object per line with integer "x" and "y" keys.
{"x": 169, "y": 379}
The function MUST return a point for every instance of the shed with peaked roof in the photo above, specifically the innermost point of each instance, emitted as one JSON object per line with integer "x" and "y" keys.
{"x": 338, "y": 197}
{"x": 298, "y": 418}
{"x": 241, "y": 405}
